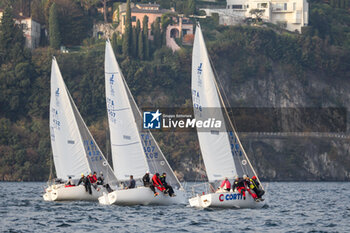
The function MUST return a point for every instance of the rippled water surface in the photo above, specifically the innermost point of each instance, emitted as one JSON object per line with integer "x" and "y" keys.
{"x": 293, "y": 207}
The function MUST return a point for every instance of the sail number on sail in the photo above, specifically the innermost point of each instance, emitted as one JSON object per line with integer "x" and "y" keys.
{"x": 110, "y": 110}
{"x": 55, "y": 120}
{"x": 148, "y": 147}
{"x": 92, "y": 150}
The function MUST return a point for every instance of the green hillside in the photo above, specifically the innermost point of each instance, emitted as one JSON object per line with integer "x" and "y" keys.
{"x": 257, "y": 65}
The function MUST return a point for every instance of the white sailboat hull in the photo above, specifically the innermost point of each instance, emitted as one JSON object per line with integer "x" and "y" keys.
{"x": 225, "y": 200}
{"x": 141, "y": 196}
{"x": 74, "y": 193}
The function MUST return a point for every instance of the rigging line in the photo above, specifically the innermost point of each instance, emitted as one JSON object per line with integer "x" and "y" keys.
{"x": 229, "y": 120}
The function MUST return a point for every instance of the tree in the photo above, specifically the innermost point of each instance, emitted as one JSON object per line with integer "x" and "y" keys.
{"x": 37, "y": 11}
{"x": 166, "y": 19}
{"x": 157, "y": 40}
{"x": 114, "y": 43}
{"x": 54, "y": 30}
{"x": 138, "y": 28}
{"x": 88, "y": 4}
{"x": 104, "y": 2}
{"x": 140, "y": 46}
{"x": 11, "y": 39}
{"x": 75, "y": 24}
{"x": 258, "y": 13}
{"x": 134, "y": 42}
{"x": 191, "y": 7}
{"x": 145, "y": 36}
{"x": 127, "y": 38}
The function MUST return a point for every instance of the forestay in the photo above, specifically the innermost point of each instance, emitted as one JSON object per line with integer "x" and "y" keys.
{"x": 127, "y": 150}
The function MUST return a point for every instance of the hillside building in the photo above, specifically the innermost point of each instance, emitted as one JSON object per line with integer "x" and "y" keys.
{"x": 31, "y": 29}
{"x": 291, "y": 15}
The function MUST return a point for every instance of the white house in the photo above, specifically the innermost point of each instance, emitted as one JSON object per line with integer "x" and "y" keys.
{"x": 31, "y": 30}
{"x": 289, "y": 14}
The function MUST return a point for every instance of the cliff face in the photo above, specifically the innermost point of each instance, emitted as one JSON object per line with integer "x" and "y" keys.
{"x": 293, "y": 158}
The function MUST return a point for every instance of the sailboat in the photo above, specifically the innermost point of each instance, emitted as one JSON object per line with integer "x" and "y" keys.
{"x": 134, "y": 150}
{"x": 75, "y": 151}
{"x": 222, "y": 151}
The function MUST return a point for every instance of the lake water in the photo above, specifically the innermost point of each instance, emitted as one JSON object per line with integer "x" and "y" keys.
{"x": 292, "y": 207}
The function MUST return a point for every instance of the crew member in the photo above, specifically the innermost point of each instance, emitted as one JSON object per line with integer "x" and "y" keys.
{"x": 82, "y": 179}
{"x": 94, "y": 176}
{"x": 148, "y": 183}
{"x": 226, "y": 185}
{"x": 132, "y": 183}
{"x": 157, "y": 183}
{"x": 146, "y": 180}
{"x": 255, "y": 185}
{"x": 100, "y": 179}
{"x": 86, "y": 181}
{"x": 239, "y": 185}
{"x": 247, "y": 185}
{"x": 69, "y": 182}
{"x": 168, "y": 188}
{"x": 93, "y": 180}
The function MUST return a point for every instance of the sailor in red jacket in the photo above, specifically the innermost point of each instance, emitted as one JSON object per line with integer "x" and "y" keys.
{"x": 157, "y": 183}
{"x": 93, "y": 180}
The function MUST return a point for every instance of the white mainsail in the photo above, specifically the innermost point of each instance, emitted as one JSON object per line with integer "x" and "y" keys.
{"x": 127, "y": 151}
{"x": 215, "y": 146}
{"x": 74, "y": 149}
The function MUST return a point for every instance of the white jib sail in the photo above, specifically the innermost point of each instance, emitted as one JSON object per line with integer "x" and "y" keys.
{"x": 67, "y": 146}
{"x": 127, "y": 150}
{"x": 215, "y": 145}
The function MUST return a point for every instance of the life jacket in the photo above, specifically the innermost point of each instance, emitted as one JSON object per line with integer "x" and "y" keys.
{"x": 252, "y": 184}
{"x": 92, "y": 179}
